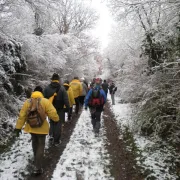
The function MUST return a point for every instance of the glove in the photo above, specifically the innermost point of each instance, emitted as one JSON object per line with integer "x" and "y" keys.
{"x": 85, "y": 108}
{"x": 17, "y": 132}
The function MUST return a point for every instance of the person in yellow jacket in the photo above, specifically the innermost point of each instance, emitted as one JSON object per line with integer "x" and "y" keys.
{"x": 70, "y": 97}
{"x": 38, "y": 134}
{"x": 76, "y": 86}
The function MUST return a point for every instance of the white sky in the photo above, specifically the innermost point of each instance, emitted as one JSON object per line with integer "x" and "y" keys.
{"x": 104, "y": 24}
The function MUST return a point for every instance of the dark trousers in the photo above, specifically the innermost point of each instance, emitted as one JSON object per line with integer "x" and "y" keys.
{"x": 96, "y": 118}
{"x": 55, "y": 127}
{"x": 70, "y": 113}
{"x": 62, "y": 116}
{"x": 38, "y": 145}
{"x": 81, "y": 100}
{"x": 77, "y": 105}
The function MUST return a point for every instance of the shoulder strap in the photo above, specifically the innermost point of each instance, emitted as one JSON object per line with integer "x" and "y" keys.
{"x": 30, "y": 101}
{"x": 38, "y": 102}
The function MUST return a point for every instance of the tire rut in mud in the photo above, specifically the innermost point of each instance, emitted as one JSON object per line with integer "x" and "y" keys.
{"x": 53, "y": 154}
{"x": 123, "y": 163}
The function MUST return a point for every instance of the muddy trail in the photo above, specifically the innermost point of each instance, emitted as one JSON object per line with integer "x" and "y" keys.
{"x": 53, "y": 154}
{"x": 123, "y": 161}
{"x": 122, "y": 164}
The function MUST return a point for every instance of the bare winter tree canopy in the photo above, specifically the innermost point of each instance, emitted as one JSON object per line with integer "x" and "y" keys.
{"x": 74, "y": 16}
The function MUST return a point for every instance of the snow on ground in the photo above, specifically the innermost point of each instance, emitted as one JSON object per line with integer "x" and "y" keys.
{"x": 155, "y": 158}
{"x": 85, "y": 156}
{"x": 14, "y": 161}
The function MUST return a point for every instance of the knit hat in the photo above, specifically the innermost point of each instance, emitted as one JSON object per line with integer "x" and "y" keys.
{"x": 55, "y": 76}
{"x": 38, "y": 88}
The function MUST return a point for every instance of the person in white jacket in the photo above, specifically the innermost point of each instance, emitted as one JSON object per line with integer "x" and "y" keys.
{"x": 84, "y": 91}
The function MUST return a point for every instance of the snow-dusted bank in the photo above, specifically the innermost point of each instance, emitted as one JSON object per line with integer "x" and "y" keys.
{"x": 85, "y": 156}
{"x": 156, "y": 161}
{"x": 13, "y": 163}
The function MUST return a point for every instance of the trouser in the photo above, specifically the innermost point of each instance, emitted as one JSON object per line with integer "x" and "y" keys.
{"x": 96, "y": 118}
{"x": 106, "y": 93}
{"x": 38, "y": 145}
{"x": 55, "y": 127}
{"x": 81, "y": 100}
{"x": 112, "y": 98}
{"x": 70, "y": 113}
{"x": 62, "y": 116}
{"x": 77, "y": 105}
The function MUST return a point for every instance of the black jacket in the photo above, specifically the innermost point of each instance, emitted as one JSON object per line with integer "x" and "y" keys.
{"x": 61, "y": 99}
{"x": 105, "y": 86}
{"x": 112, "y": 89}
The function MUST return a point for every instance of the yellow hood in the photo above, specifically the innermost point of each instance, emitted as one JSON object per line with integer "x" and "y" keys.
{"x": 36, "y": 94}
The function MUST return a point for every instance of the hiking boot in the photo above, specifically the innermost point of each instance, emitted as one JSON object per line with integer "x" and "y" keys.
{"x": 57, "y": 144}
{"x": 51, "y": 138}
{"x": 69, "y": 118}
{"x": 96, "y": 134}
{"x": 37, "y": 172}
{"x": 96, "y": 131}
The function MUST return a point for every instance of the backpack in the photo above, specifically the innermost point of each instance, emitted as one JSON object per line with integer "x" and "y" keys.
{"x": 114, "y": 90}
{"x": 36, "y": 114}
{"x": 96, "y": 99}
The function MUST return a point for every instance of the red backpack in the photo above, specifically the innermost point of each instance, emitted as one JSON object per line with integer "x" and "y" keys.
{"x": 96, "y": 99}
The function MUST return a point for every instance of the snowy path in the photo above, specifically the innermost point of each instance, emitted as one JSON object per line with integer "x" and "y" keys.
{"x": 14, "y": 162}
{"x": 85, "y": 156}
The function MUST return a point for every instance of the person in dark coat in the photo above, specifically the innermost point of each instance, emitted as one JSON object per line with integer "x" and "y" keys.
{"x": 105, "y": 87}
{"x": 59, "y": 101}
{"x": 112, "y": 90}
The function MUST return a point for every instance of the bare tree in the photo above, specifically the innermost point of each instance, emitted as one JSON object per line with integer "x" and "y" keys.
{"x": 74, "y": 16}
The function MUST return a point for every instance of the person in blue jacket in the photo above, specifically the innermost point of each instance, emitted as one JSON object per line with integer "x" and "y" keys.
{"x": 95, "y": 99}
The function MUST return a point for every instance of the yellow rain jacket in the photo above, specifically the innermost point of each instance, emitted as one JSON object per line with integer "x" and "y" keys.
{"x": 70, "y": 95}
{"x": 49, "y": 109}
{"x": 76, "y": 87}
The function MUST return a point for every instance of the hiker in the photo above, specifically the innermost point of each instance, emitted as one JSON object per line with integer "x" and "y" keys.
{"x": 95, "y": 99}
{"x": 112, "y": 90}
{"x": 70, "y": 97}
{"x": 38, "y": 134}
{"x": 84, "y": 91}
{"x": 92, "y": 83}
{"x": 59, "y": 101}
{"x": 76, "y": 86}
{"x": 105, "y": 87}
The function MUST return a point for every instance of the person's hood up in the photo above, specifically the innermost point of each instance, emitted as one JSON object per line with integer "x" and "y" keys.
{"x": 75, "y": 80}
{"x": 36, "y": 94}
